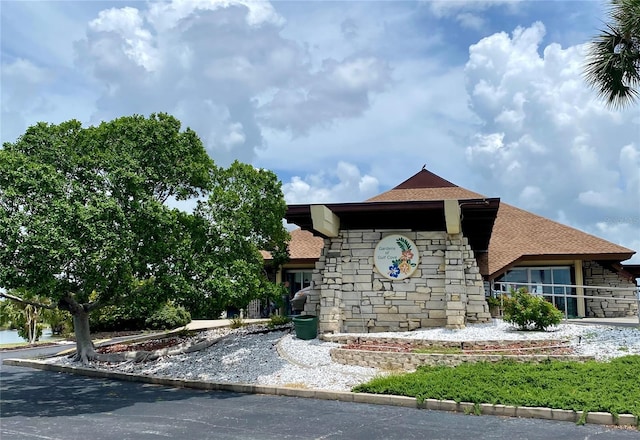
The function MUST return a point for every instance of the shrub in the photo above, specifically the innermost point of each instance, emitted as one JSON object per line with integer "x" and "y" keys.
{"x": 278, "y": 320}
{"x": 115, "y": 318}
{"x": 526, "y": 310}
{"x": 119, "y": 318}
{"x": 236, "y": 322}
{"x": 60, "y": 322}
{"x": 169, "y": 316}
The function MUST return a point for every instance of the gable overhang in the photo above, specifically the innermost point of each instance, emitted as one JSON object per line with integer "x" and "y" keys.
{"x": 476, "y": 217}
{"x": 609, "y": 258}
{"x": 633, "y": 269}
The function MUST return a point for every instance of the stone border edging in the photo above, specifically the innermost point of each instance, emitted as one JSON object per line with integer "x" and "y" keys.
{"x": 598, "y": 418}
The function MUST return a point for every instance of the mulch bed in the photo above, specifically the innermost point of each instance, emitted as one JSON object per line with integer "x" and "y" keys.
{"x": 515, "y": 348}
{"x": 150, "y": 345}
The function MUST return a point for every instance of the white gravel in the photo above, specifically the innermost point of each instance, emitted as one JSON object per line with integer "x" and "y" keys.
{"x": 279, "y": 358}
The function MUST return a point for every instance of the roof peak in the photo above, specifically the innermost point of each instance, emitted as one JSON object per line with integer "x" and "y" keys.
{"x": 425, "y": 179}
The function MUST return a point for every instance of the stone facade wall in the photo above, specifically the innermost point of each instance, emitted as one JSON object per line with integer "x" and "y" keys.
{"x": 350, "y": 296}
{"x": 622, "y": 302}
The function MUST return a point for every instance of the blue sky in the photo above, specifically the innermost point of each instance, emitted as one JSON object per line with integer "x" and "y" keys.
{"x": 344, "y": 100}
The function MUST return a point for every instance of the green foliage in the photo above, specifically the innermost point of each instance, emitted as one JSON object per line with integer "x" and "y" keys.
{"x": 29, "y": 320}
{"x": 278, "y": 320}
{"x": 613, "y": 59}
{"x": 157, "y": 317}
{"x": 169, "y": 316}
{"x": 82, "y": 211}
{"x": 236, "y": 322}
{"x": 527, "y": 311}
{"x": 84, "y": 223}
{"x": 610, "y": 387}
{"x": 493, "y": 301}
{"x": 242, "y": 216}
{"x": 59, "y": 321}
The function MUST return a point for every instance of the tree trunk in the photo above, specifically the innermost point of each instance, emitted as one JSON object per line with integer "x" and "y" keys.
{"x": 85, "y": 351}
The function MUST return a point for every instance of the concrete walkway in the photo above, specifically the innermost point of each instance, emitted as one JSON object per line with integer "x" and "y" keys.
{"x": 206, "y": 324}
{"x": 627, "y": 321}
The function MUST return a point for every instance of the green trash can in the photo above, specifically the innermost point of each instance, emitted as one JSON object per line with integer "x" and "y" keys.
{"x": 306, "y": 326}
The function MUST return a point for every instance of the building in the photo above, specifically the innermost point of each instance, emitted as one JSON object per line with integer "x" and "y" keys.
{"x": 427, "y": 252}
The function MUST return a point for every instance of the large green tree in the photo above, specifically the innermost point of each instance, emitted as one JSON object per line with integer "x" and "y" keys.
{"x": 613, "y": 59}
{"x": 83, "y": 215}
{"x": 240, "y": 219}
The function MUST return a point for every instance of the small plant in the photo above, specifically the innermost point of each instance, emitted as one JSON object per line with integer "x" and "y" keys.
{"x": 278, "y": 320}
{"x": 526, "y": 310}
{"x": 236, "y": 322}
{"x": 493, "y": 301}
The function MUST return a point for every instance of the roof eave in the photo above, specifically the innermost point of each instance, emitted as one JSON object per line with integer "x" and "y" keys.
{"x": 614, "y": 257}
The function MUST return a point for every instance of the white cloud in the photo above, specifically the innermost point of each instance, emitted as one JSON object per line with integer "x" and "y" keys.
{"x": 136, "y": 42}
{"x": 551, "y": 146}
{"x": 351, "y": 98}
{"x": 345, "y": 184}
{"x": 469, "y": 13}
{"x": 224, "y": 68}
{"x": 532, "y": 198}
{"x": 165, "y": 15}
{"x": 470, "y": 21}
{"x": 22, "y": 94}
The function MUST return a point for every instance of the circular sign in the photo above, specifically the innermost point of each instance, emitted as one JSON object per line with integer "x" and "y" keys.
{"x": 396, "y": 257}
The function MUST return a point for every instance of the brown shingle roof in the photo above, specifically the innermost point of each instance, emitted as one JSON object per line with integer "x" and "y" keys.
{"x": 517, "y": 234}
{"x": 520, "y": 234}
{"x": 404, "y": 195}
{"x": 425, "y": 186}
{"x": 302, "y": 246}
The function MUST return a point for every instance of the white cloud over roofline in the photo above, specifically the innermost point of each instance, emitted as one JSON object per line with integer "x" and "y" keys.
{"x": 549, "y": 144}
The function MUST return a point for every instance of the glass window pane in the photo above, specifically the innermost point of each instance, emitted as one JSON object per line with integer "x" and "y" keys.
{"x": 516, "y": 276}
{"x": 562, "y": 276}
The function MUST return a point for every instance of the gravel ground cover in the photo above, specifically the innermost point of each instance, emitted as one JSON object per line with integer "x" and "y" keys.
{"x": 279, "y": 358}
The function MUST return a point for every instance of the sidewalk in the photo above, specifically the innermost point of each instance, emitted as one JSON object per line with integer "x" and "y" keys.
{"x": 206, "y": 324}
{"x": 627, "y": 321}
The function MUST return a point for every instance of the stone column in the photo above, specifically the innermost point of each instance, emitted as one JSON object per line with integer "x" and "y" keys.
{"x": 330, "y": 320}
{"x": 455, "y": 286}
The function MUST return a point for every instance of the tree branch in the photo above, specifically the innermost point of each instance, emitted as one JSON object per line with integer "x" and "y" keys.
{"x": 25, "y": 301}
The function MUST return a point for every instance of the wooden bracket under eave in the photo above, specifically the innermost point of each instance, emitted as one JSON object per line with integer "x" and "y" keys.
{"x": 325, "y": 221}
{"x": 452, "y": 216}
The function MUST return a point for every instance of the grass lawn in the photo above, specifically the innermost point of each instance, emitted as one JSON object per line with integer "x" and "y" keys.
{"x": 612, "y": 387}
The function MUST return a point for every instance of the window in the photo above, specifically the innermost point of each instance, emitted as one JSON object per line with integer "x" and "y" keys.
{"x": 298, "y": 279}
{"x": 553, "y": 282}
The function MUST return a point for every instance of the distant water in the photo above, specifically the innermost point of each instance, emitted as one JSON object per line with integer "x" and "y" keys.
{"x": 11, "y": 336}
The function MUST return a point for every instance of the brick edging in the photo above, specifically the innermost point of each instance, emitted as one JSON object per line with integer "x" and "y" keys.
{"x": 598, "y": 418}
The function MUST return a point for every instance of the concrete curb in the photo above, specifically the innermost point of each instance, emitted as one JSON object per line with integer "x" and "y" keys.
{"x": 598, "y": 418}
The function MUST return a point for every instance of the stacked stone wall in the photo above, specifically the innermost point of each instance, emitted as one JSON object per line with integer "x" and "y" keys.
{"x": 619, "y": 303}
{"x": 350, "y": 296}
{"x": 411, "y": 361}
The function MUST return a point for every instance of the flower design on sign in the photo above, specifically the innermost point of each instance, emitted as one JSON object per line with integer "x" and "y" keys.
{"x": 396, "y": 257}
{"x": 403, "y": 264}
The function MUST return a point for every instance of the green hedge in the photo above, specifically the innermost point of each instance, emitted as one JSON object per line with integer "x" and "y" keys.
{"x": 611, "y": 387}
{"x": 119, "y": 318}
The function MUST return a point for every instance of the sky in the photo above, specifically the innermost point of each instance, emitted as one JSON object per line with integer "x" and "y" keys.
{"x": 345, "y": 100}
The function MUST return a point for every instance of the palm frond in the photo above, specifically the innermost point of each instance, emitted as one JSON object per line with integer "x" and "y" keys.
{"x": 612, "y": 66}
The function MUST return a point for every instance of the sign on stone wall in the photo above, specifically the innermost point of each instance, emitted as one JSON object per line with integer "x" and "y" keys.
{"x": 396, "y": 257}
